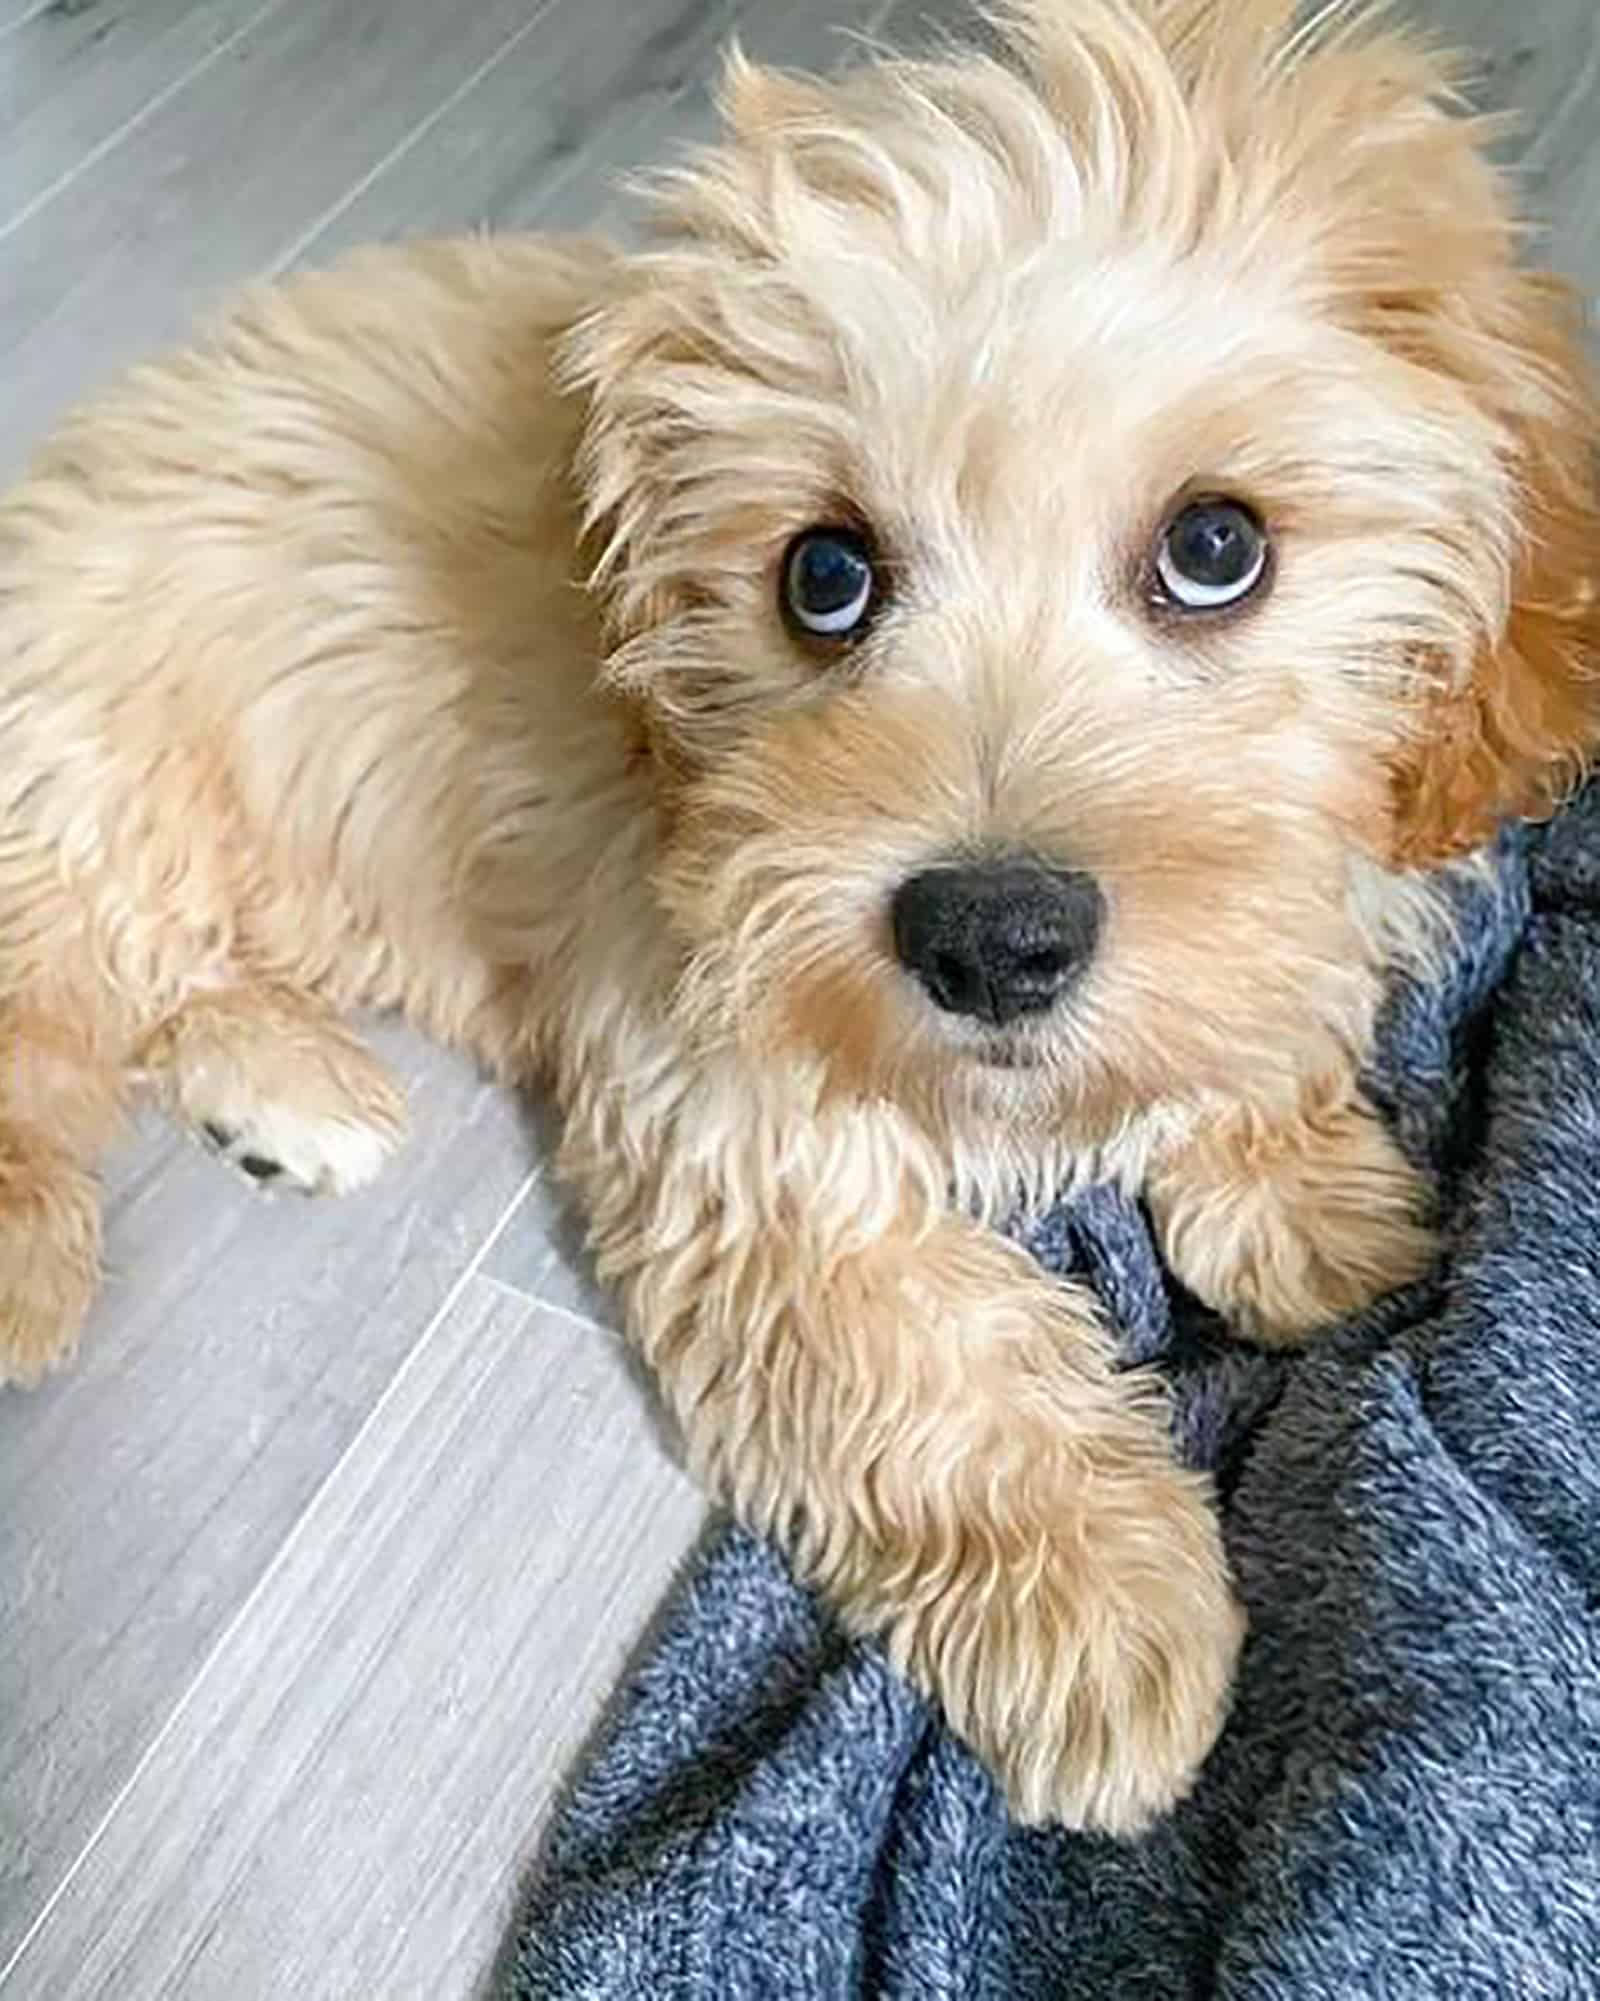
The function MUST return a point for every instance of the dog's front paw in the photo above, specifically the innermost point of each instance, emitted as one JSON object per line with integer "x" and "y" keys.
{"x": 1094, "y": 1679}
{"x": 277, "y": 1147}
{"x": 1288, "y": 1230}
{"x": 280, "y": 1089}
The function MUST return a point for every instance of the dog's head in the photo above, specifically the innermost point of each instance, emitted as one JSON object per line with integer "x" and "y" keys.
{"x": 1069, "y": 519}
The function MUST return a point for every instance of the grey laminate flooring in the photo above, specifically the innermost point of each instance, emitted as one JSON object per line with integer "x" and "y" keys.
{"x": 318, "y": 1566}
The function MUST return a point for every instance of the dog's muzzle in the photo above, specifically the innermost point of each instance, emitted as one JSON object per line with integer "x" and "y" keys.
{"x": 996, "y": 939}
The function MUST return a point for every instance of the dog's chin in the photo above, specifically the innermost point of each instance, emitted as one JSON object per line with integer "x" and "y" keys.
{"x": 1002, "y": 1069}
{"x": 1008, "y": 1053}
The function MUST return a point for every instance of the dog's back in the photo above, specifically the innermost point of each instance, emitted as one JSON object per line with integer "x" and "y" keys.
{"x": 291, "y": 658}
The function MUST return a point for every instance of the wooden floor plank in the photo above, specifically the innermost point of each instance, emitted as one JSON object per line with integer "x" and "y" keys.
{"x": 222, "y": 181}
{"x": 347, "y": 1798}
{"x": 76, "y": 80}
{"x": 236, "y": 1351}
{"x": 15, "y": 14}
{"x": 1542, "y": 64}
{"x": 541, "y": 1254}
{"x": 546, "y": 134}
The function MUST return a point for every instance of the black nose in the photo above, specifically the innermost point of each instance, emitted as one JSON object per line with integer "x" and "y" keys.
{"x": 996, "y": 939}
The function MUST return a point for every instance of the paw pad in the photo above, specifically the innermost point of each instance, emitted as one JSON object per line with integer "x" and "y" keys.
{"x": 234, "y": 1148}
{"x": 276, "y": 1149}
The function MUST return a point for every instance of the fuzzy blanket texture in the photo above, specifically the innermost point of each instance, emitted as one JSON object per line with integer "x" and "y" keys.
{"x": 1406, "y": 1801}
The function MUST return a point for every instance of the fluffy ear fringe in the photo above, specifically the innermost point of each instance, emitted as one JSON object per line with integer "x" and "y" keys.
{"x": 1524, "y": 726}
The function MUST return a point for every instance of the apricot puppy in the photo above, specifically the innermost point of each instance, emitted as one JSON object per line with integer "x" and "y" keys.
{"x": 936, "y": 681}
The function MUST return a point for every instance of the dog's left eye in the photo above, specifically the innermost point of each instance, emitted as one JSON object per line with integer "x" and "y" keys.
{"x": 829, "y": 582}
{"x": 1212, "y": 553}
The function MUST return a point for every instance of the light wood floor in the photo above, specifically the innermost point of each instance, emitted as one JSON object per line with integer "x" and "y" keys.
{"x": 316, "y": 1569}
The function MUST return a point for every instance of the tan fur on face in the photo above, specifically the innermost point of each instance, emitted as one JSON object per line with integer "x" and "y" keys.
{"x": 415, "y": 642}
{"x": 990, "y": 379}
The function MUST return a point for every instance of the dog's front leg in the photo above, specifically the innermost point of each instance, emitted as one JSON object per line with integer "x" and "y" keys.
{"x": 1286, "y": 1223}
{"x": 934, "y": 1432}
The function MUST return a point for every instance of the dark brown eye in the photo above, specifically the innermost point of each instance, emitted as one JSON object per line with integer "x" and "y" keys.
{"x": 829, "y": 582}
{"x": 1212, "y": 553}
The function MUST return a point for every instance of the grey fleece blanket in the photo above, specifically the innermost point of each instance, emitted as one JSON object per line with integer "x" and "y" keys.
{"x": 1406, "y": 1801}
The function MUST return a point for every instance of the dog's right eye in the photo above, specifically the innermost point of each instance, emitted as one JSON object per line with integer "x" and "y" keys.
{"x": 830, "y": 582}
{"x": 1212, "y": 554}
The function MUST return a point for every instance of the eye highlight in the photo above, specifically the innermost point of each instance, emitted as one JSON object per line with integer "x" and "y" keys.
{"x": 829, "y": 582}
{"x": 1213, "y": 553}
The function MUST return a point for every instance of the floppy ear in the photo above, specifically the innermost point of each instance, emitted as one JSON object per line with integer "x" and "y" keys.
{"x": 1517, "y": 732}
{"x": 1417, "y": 247}
{"x": 656, "y": 360}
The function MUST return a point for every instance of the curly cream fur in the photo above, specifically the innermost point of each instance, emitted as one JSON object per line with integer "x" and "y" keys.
{"x": 412, "y": 642}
